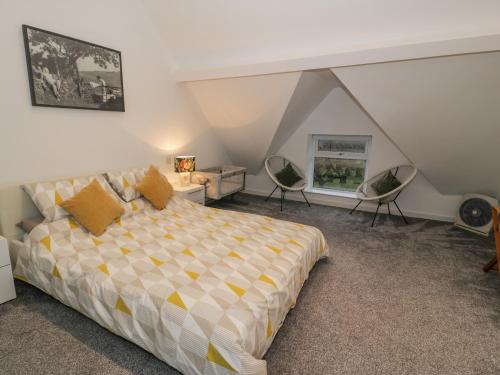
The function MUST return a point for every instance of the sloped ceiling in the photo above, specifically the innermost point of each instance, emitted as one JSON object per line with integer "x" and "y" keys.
{"x": 311, "y": 89}
{"x": 201, "y": 34}
{"x": 443, "y": 113}
{"x": 255, "y": 116}
{"x": 245, "y": 112}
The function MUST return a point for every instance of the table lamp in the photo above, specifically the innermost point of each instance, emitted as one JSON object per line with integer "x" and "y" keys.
{"x": 184, "y": 165}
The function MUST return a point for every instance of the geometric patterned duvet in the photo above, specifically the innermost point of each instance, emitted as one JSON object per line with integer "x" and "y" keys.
{"x": 204, "y": 290}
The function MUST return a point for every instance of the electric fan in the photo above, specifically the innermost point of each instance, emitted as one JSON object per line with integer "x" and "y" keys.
{"x": 474, "y": 213}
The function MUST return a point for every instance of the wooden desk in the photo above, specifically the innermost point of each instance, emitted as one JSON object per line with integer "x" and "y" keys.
{"x": 496, "y": 231}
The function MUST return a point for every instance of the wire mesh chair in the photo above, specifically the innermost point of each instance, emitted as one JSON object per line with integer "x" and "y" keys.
{"x": 366, "y": 193}
{"x": 274, "y": 164}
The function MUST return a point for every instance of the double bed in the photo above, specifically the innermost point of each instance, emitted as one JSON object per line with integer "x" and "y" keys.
{"x": 203, "y": 289}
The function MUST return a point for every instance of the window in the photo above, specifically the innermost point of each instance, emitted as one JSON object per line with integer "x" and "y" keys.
{"x": 338, "y": 163}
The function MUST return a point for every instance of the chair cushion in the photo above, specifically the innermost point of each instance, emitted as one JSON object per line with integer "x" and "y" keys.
{"x": 387, "y": 183}
{"x": 288, "y": 176}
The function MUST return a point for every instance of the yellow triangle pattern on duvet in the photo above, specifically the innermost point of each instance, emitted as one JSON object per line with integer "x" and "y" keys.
{"x": 211, "y": 284}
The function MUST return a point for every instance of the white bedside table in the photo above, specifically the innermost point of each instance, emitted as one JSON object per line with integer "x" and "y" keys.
{"x": 7, "y": 290}
{"x": 193, "y": 192}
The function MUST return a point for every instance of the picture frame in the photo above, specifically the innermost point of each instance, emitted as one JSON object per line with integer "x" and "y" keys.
{"x": 66, "y": 72}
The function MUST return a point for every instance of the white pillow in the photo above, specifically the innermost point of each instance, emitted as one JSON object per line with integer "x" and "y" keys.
{"x": 123, "y": 182}
{"x": 48, "y": 195}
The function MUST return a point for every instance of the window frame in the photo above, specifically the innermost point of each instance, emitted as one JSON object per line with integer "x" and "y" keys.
{"x": 313, "y": 153}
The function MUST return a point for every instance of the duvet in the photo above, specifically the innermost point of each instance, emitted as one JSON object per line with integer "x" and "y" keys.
{"x": 203, "y": 289}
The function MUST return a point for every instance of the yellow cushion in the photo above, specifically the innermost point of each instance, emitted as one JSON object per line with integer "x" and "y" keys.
{"x": 155, "y": 188}
{"x": 93, "y": 208}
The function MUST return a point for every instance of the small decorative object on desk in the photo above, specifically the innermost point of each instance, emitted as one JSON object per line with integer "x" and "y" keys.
{"x": 184, "y": 165}
{"x": 222, "y": 180}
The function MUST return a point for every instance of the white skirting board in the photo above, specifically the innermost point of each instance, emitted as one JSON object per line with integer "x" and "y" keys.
{"x": 349, "y": 203}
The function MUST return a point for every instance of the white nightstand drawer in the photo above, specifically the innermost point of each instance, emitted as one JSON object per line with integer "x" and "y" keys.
{"x": 193, "y": 192}
{"x": 195, "y": 196}
{"x": 7, "y": 290}
{"x": 4, "y": 252}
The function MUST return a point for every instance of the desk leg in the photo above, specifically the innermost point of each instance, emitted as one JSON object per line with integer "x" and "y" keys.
{"x": 490, "y": 264}
{"x": 496, "y": 230}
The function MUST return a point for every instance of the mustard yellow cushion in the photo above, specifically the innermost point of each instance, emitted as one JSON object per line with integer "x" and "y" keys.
{"x": 155, "y": 188}
{"x": 93, "y": 208}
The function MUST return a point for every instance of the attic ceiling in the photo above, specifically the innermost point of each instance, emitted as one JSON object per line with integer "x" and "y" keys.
{"x": 245, "y": 112}
{"x": 254, "y": 116}
{"x": 200, "y": 34}
{"x": 312, "y": 88}
{"x": 443, "y": 113}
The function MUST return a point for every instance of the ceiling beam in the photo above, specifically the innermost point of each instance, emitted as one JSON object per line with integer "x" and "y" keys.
{"x": 360, "y": 56}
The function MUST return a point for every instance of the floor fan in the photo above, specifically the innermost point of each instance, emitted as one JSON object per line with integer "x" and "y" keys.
{"x": 474, "y": 213}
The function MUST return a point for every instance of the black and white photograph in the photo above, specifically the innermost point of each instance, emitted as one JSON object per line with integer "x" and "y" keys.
{"x": 70, "y": 73}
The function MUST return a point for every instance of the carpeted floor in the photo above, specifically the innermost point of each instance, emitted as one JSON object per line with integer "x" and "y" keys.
{"x": 394, "y": 299}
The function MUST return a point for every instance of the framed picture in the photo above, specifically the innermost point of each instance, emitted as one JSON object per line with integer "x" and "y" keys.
{"x": 66, "y": 72}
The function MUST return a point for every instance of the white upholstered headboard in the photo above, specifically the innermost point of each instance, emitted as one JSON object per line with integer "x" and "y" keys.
{"x": 15, "y": 205}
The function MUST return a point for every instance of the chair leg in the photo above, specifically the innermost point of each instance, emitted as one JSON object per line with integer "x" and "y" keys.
{"x": 269, "y": 196}
{"x": 490, "y": 264}
{"x": 403, "y": 216}
{"x": 282, "y": 199}
{"x": 302, "y": 191}
{"x": 376, "y": 213}
{"x": 388, "y": 208}
{"x": 354, "y": 209}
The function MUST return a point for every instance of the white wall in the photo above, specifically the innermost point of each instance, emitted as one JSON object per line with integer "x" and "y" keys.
{"x": 340, "y": 114}
{"x": 38, "y": 142}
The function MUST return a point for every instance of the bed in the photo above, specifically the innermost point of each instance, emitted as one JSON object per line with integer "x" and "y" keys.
{"x": 203, "y": 289}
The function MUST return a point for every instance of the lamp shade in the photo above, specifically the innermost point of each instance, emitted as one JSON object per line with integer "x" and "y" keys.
{"x": 185, "y": 164}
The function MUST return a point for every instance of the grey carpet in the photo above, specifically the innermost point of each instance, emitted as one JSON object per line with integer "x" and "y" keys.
{"x": 395, "y": 299}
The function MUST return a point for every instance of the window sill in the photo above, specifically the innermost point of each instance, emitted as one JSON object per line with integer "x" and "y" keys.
{"x": 336, "y": 193}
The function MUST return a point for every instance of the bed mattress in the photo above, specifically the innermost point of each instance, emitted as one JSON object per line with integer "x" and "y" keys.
{"x": 203, "y": 289}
